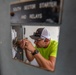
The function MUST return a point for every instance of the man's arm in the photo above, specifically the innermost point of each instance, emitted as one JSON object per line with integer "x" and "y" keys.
{"x": 44, "y": 63}
{"x": 29, "y": 56}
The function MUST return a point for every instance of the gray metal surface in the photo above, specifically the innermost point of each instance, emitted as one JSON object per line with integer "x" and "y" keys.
{"x": 66, "y": 61}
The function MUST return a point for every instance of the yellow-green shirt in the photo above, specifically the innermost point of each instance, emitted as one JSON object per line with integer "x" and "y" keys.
{"x": 51, "y": 50}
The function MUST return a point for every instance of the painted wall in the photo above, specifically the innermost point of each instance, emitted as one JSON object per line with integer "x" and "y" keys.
{"x": 66, "y": 61}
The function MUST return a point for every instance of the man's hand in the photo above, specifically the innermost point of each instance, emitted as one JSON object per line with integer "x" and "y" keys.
{"x": 26, "y": 44}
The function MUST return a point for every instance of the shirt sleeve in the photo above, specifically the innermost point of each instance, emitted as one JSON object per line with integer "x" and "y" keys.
{"x": 54, "y": 49}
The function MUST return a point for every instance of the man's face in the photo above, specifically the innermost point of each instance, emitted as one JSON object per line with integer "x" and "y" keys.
{"x": 39, "y": 43}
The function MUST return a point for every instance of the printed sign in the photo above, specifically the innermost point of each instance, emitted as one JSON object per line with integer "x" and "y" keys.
{"x": 48, "y": 11}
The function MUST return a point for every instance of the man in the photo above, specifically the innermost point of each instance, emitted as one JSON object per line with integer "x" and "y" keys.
{"x": 45, "y": 50}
